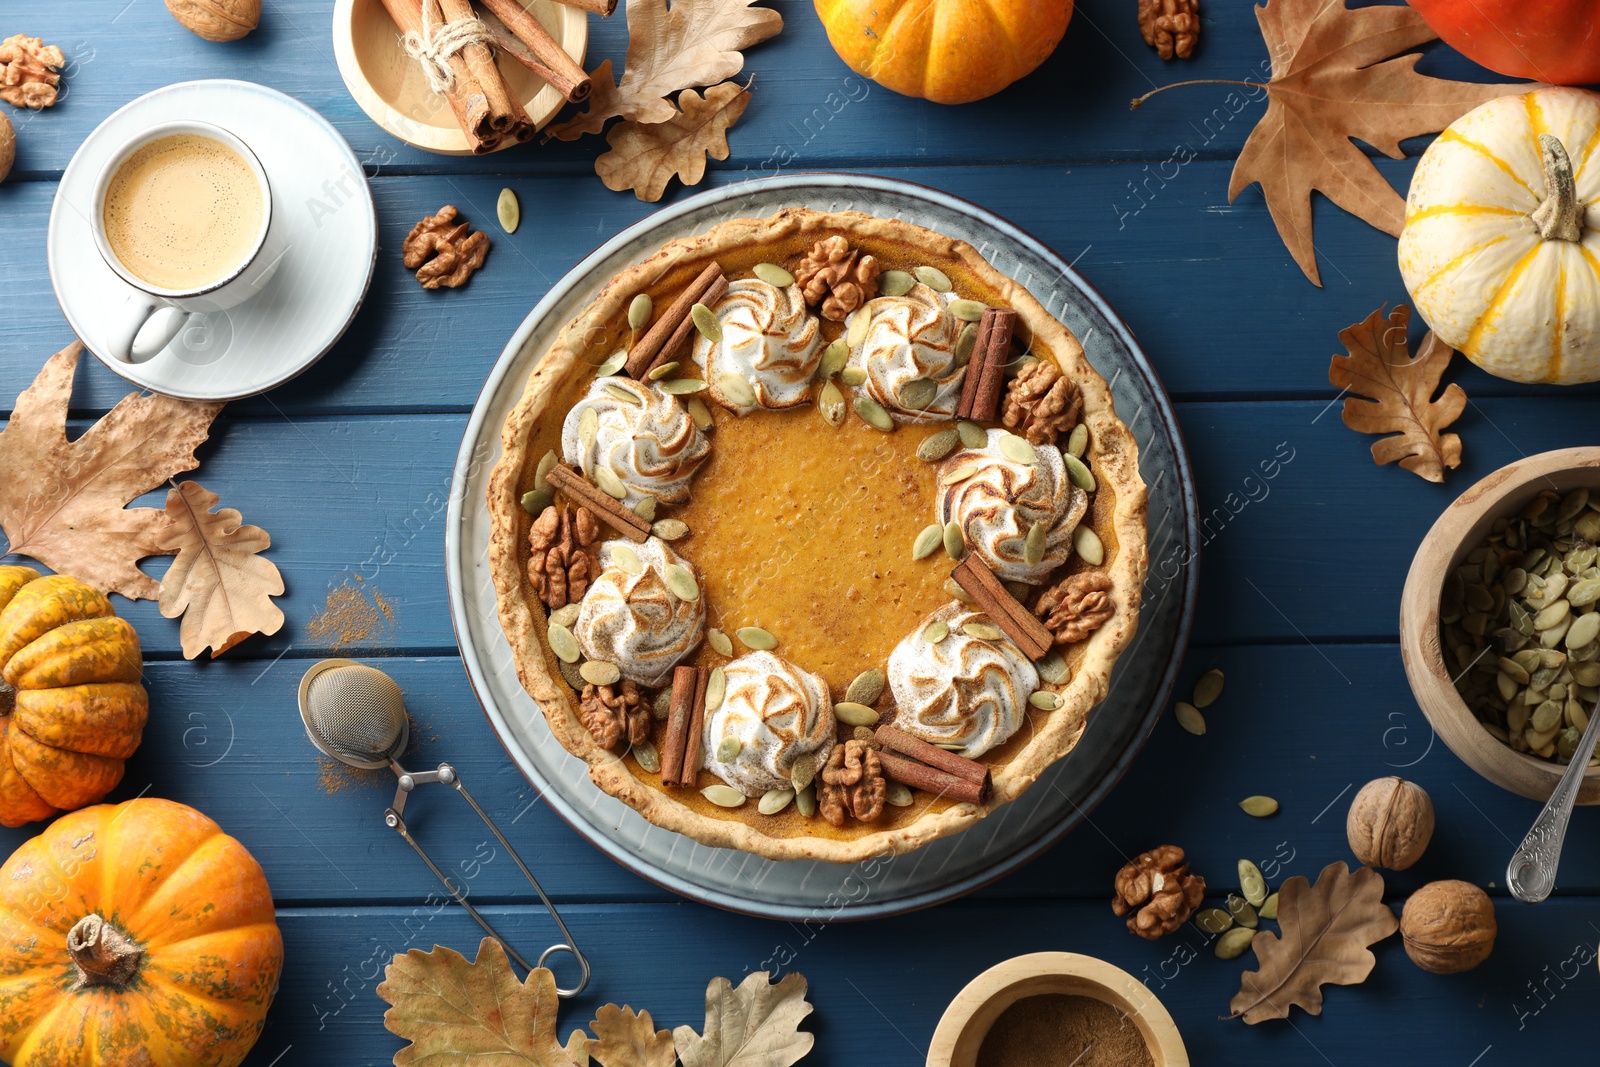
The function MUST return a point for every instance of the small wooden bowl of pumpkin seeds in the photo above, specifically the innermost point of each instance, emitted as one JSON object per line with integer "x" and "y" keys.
{"x": 1500, "y": 621}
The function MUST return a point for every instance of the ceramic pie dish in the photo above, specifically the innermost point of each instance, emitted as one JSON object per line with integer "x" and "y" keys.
{"x": 803, "y": 528}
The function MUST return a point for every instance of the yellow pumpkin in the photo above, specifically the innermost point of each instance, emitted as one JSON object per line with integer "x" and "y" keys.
{"x": 949, "y": 51}
{"x": 1501, "y": 245}
{"x": 71, "y": 704}
{"x": 134, "y": 935}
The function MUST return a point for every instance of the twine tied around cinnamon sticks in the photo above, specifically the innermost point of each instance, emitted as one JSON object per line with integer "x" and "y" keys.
{"x": 433, "y": 45}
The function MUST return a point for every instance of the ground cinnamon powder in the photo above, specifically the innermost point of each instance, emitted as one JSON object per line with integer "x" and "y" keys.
{"x": 353, "y": 616}
{"x": 1060, "y": 1030}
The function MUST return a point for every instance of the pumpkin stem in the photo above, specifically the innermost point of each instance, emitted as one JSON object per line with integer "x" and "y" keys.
{"x": 102, "y": 953}
{"x": 1557, "y": 217}
{"x": 1137, "y": 102}
{"x": 8, "y": 699}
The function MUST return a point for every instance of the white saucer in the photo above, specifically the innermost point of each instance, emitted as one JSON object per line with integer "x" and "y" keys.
{"x": 318, "y": 189}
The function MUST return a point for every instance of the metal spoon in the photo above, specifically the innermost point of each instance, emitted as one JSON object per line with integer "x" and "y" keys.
{"x": 1532, "y": 872}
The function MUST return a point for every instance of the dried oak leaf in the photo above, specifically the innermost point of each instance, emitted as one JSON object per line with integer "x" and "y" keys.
{"x": 626, "y": 1038}
{"x": 645, "y": 157}
{"x": 1326, "y": 930}
{"x": 220, "y": 583}
{"x": 1401, "y": 389}
{"x": 62, "y": 502}
{"x": 454, "y": 1011}
{"x": 1332, "y": 81}
{"x": 695, "y": 42}
{"x": 755, "y": 1025}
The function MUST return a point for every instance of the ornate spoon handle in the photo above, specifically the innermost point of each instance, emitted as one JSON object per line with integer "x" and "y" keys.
{"x": 1531, "y": 874}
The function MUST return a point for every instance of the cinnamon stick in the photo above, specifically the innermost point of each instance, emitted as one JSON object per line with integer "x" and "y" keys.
{"x": 607, "y": 509}
{"x": 994, "y": 341}
{"x": 566, "y": 76}
{"x": 931, "y": 779}
{"x": 897, "y": 740}
{"x": 644, "y": 351}
{"x": 1008, "y": 613}
{"x": 507, "y": 43}
{"x": 969, "y": 384}
{"x": 694, "y": 748}
{"x": 505, "y": 112}
{"x": 467, "y": 101}
{"x": 603, "y": 8}
{"x": 718, "y": 290}
{"x": 682, "y": 710}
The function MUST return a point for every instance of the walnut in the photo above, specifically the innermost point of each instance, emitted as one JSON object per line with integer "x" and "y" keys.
{"x": 611, "y": 714}
{"x": 1158, "y": 888}
{"x": 1076, "y": 606}
{"x": 1390, "y": 823}
{"x": 28, "y": 69}
{"x": 561, "y": 558}
{"x": 852, "y": 784}
{"x": 837, "y": 275}
{"x": 1448, "y": 927}
{"x": 8, "y": 146}
{"x": 455, "y": 254}
{"x": 1042, "y": 403}
{"x": 217, "y": 20}
{"x": 1171, "y": 27}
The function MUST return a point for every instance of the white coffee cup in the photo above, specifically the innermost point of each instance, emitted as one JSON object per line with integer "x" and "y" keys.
{"x": 245, "y": 280}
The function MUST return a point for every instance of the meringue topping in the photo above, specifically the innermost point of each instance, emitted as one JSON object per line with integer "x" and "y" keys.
{"x": 962, "y": 690}
{"x": 653, "y": 446}
{"x": 633, "y": 619}
{"x": 778, "y": 713}
{"x": 911, "y": 337}
{"x": 998, "y": 502}
{"x": 769, "y": 340}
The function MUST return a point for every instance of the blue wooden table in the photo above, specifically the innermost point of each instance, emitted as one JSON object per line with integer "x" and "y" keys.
{"x": 350, "y": 464}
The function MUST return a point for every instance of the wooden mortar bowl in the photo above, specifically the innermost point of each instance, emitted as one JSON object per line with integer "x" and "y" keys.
{"x": 1461, "y": 528}
{"x": 967, "y": 1020}
{"x": 390, "y": 87}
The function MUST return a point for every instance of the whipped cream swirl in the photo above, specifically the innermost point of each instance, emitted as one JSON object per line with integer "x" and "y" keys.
{"x": 778, "y": 713}
{"x": 653, "y": 446}
{"x": 769, "y": 340}
{"x": 633, "y": 619}
{"x": 963, "y": 690}
{"x": 1000, "y": 500}
{"x": 911, "y": 337}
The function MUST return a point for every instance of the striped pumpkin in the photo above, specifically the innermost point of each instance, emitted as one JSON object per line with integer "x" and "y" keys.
{"x": 1501, "y": 246}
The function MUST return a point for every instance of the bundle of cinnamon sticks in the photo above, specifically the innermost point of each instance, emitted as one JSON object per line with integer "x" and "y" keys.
{"x": 482, "y": 103}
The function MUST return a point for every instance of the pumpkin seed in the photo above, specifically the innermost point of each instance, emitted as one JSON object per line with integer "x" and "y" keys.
{"x": 648, "y": 757}
{"x": 872, "y": 414}
{"x": 898, "y": 795}
{"x": 1259, "y": 806}
{"x": 1251, "y": 883}
{"x": 929, "y": 539}
{"x": 661, "y": 706}
{"x": 802, "y": 772}
{"x": 1044, "y": 700}
{"x": 1078, "y": 440}
{"x": 982, "y": 631}
{"x": 935, "y": 632}
{"x": 736, "y": 390}
{"x": 670, "y": 529}
{"x": 547, "y": 463}
{"x": 624, "y": 394}
{"x": 570, "y": 675}
{"x": 728, "y": 750}
{"x": 938, "y": 445}
{"x": 508, "y": 211}
{"x": 953, "y": 587}
{"x": 646, "y": 508}
{"x": 599, "y": 672}
{"x": 1077, "y": 473}
{"x": 855, "y": 331}
{"x": 831, "y": 404}
{"x": 805, "y": 802}
{"x": 972, "y": 435}
{"x": 966, "y": 340}
{"x": 1189, "y": 718}
{"x": 626, "y": 558}
{"x": 565, "y": 616}
{"x": 1233, "y": 943}
{"x": 757, "y": 638}
{"x": 588, "y": 427}
{"x": 706, "y": 321}
{"x": 1552, "y": 616}
{"x": 1269, "y": 909}
{"x": 852, "y": 714}
{"x": 1213, "y": 920}
{"x": 933, "y": 278}
{"x": 834, "y": 357}
{"x": 1208, "y": 688}
{"x": 955, "y": 541}
{"x": 611, "y": 364}
{"x": 1242, "y": 911}
{"x": 866, "y": 688}
{"x": 774, "y": 800}
{"x": 949, "y": 746}
{"x": 895, "y": 283}
{"x": 534, "y": 501}
{"x": 716, "y": 687}
{"x": 723, "y": 796}
{"x": 1017, "y": 449}
{"x": 562, "y": 643}
{"x": 918, "y": 393}
{"x": 1034, "y": 544}
{"x": 698, "y": 411}
{"x": 639, "y": 311}
{"x": 967, "y": 310}
{"x": 773, "y": 274}
{"x": 853, "y": 376}
{"x": 1583, "y": 630}
{"x": 609, "y": 483}
{"x": 959, "y": 473}
{"x": 655, "y": 374}
{"x": 720, "y": 642}
{"x": 1087, "y": 544}
{"x": 1053, "y": 668}
{"x": 680, "y": 582}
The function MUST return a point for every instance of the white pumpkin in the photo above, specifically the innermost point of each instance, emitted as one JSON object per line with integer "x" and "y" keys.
{"x": 1501, "y": 246}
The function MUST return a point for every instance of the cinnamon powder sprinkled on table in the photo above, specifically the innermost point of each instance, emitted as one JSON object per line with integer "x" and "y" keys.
{"x": 352, "y": 616}
{"x": 334, "y": 777}
{"x": 1058, "y": 1030}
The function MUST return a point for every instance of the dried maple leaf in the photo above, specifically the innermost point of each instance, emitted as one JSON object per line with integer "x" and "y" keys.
{"x": 220, "y": 583}
{"x": 1401, "y": 389}
{"x": 63, "y": 502}
{"x": 625, "y": 1038}
{"x": 645, "y": 157}
{"x": 1327, "y": 929}
{"x": 453, "y": 1011}
{"x": 755, "y": 1025}
{"x": 695, "y": 42}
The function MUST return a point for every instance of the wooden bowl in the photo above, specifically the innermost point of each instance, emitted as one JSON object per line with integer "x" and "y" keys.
{"x": 967, "y": 1020}
{"x": 390, "y": 87}
{"x": 1458, "y": 531}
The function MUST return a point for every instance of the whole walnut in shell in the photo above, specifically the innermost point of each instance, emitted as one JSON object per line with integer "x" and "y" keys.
{"x": 1448, "y": 927}
{"x": 1390, "y": 823}
{"x": 217, "y": 20}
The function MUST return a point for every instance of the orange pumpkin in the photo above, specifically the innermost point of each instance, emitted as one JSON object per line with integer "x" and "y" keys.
{"x": 134, "y": 935}
{"x": 71, "y": 704}
{"x": 948, "y": 51}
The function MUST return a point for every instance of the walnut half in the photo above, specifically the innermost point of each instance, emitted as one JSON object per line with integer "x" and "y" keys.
{"x": 612, "y": 713}
{"x": 561, "y": 559}
{"x": 837, "y": 275}
{"x": 28, "y": 69}
{"x": 1157, "y": 892}
{"x": 1171, "y": 27}
{"x": 852, "y": 784}
{"x": 442, "y": 252}
{"x": 1076, "y": 606}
